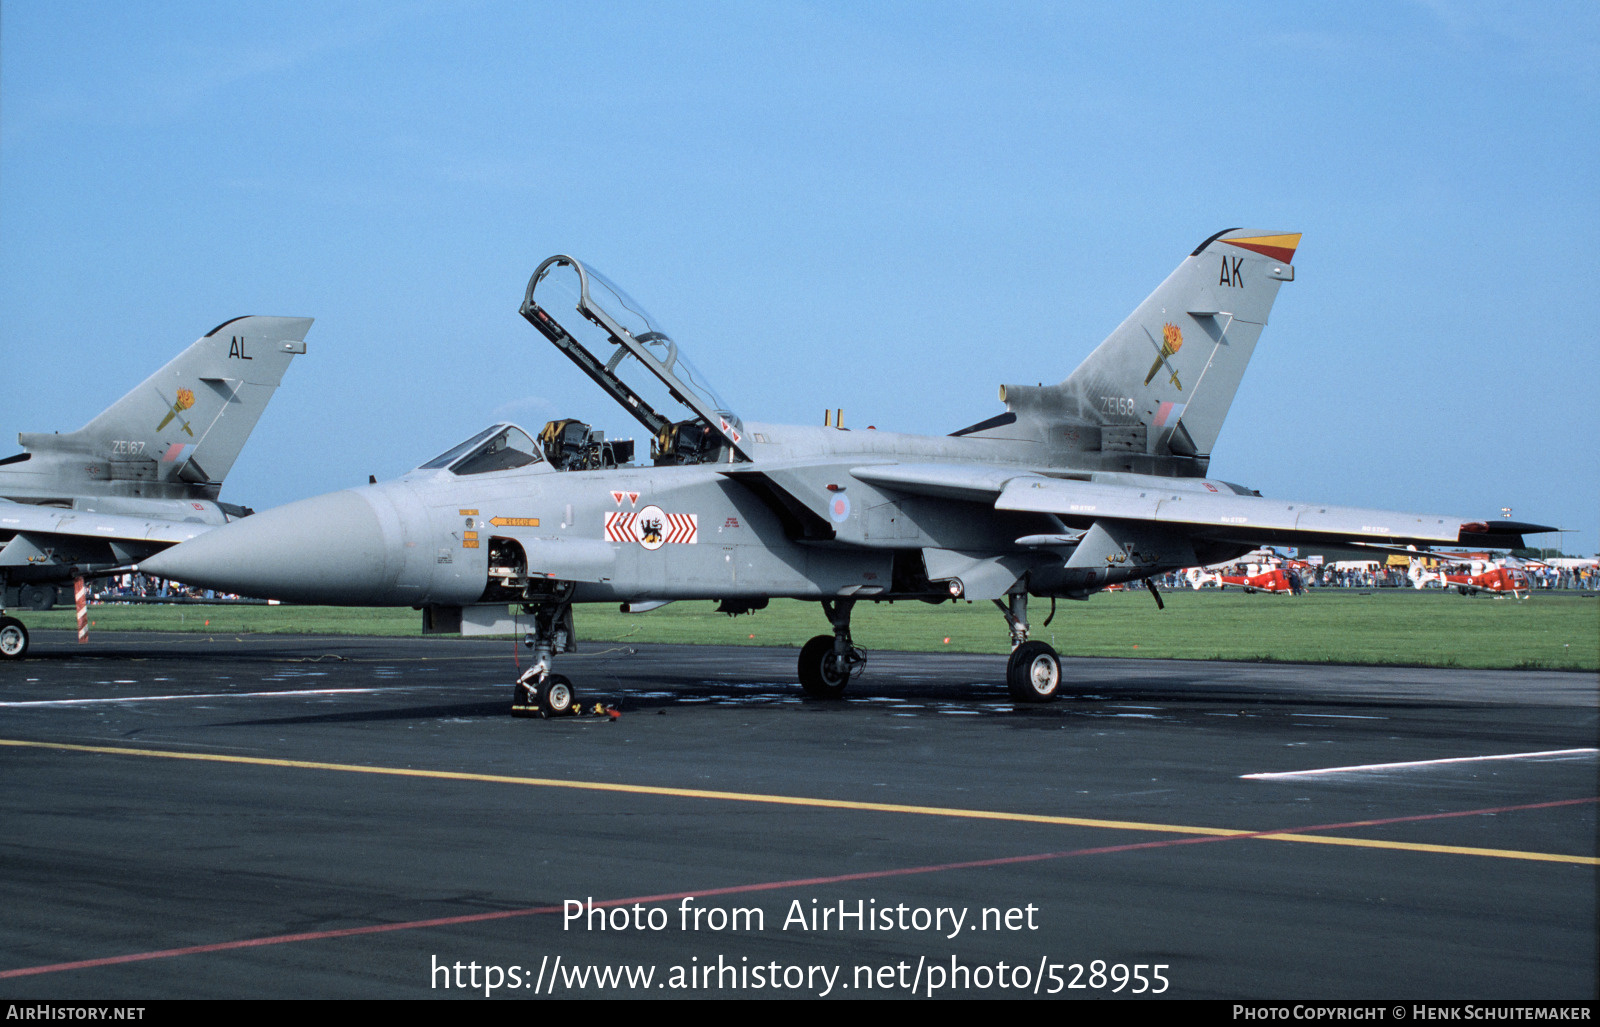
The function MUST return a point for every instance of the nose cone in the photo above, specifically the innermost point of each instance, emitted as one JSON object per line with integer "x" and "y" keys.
{"x": 332, "y": 550}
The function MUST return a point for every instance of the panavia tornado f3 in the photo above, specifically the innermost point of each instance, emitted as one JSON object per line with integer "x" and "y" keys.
{"x": 1099, "y": 480}
{"x": 143, "y": 475}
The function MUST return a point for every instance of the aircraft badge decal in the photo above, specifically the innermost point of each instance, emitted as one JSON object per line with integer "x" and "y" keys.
{"x": 1171, "y": 342}
{"x": 184, "y": 402}
{"x": 652, "y": 527}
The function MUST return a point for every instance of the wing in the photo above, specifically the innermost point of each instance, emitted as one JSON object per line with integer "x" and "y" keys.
{"x": 39, "y": 543}
{"x": 1197, "y": 508}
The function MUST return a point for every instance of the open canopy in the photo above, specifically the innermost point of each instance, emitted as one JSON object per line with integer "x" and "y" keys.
{"x": 618, "y": 344}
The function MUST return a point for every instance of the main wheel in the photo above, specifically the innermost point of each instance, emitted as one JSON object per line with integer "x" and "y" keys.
{"x": 822, "y": 674}
{"x": 1034, "y": 673}
{"x": 13, "y": 639}
{"x": 40, "y": 597}
{"x": 557, "y": 697}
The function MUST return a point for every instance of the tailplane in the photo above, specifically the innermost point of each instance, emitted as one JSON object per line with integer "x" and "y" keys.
{"x": 187, "y": 422}
{"x": 1161, "y": 384}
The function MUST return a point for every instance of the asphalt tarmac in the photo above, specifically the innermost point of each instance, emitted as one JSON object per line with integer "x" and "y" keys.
{"x": 310, "y": 817}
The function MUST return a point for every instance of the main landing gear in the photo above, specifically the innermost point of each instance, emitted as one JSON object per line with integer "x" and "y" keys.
{"x": 539, "y": 693}
{"x": 1033, "y": 673}
{"x": 828, "y": 662}
{"x": 13, "y": 639}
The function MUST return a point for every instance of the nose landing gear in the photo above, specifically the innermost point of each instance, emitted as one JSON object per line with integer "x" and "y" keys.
{"x": 538, "y": 692}
{"x": 551, "y": 696}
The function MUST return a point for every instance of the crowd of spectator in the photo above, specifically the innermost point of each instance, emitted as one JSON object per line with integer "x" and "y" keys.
{"x": 1541, "y": 576}
{"x": 134, "y": 588}
{"x": 128, "y": 588}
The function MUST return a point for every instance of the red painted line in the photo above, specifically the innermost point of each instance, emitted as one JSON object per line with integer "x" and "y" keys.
{"x": 736, "y": 889}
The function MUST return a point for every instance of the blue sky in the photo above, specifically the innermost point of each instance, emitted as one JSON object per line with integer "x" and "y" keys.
{"x": 887, "y": 207}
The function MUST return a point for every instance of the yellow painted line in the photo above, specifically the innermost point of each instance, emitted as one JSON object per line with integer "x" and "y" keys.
{"x": 1454, "y": 850}
{"x": 816, "y": 803}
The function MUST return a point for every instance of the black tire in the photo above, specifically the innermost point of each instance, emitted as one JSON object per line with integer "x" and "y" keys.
{"x": 1033, "y": 673}
{"x": 822, "y": 675}
{"x": 13, "y": 639}
{"x": 557, "y": 697}
{"x": 39, "y": 597}
{"x": 524, "y": 703}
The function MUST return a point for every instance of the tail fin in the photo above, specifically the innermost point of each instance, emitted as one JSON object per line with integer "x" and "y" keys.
{"x": 1162, "y": 383}
{"x": 187, "y": 422}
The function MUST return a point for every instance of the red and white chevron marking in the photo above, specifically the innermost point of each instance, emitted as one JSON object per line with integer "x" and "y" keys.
{"x": 683, "y": 527}
{"x": 629, "y": 526}
{"x": 619, "y": 526}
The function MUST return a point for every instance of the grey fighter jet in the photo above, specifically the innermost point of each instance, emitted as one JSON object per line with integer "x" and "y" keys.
{"x": 141, "y": 476}
{"x": 1103, "y": 478}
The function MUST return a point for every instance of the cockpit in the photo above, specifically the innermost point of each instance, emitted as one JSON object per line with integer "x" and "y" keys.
{"x": 499, "y": 447}
{"x": 624, "y": 350}
{"x": 565, "y": 445}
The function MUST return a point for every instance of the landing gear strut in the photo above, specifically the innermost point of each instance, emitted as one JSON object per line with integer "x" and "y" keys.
{"x": 538, "y": 692}
{"x": 828, "y": 662}
{"x": 1033, "y": 673}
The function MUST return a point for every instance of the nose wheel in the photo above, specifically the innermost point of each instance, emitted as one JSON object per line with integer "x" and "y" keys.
{"x": 538, "y": 692}
{"x": 552, "y": 696}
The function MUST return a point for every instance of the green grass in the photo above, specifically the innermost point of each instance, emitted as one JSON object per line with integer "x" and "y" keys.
{"x": 1398, "y": 626}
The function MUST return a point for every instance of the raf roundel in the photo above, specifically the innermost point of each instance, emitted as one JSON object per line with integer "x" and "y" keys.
{"x": 839, "y": 508}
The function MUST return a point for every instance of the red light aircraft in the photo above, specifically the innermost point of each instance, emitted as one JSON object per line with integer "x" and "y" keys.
{"x": 1471, "y": 573}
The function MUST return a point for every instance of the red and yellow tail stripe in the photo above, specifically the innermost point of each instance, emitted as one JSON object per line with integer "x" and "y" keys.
{"x": 1278, "y": 247}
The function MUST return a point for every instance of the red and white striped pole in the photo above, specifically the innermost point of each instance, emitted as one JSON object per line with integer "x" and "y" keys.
{"x": 80, "y": 596}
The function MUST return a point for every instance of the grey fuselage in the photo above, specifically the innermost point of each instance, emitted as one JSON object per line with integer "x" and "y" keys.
{"x": 794, "y": 522}
{"x": 1097, "y": 480}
